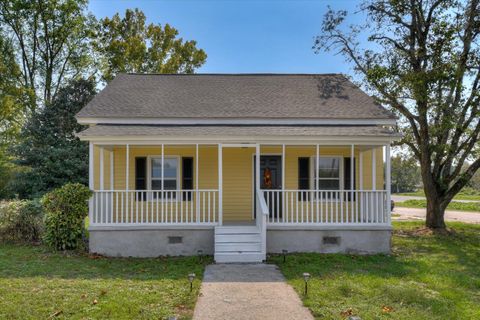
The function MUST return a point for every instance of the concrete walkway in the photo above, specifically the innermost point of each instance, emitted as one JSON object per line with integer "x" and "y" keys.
{"x": 450, "y": 215}
{"x": 247, "y": 291}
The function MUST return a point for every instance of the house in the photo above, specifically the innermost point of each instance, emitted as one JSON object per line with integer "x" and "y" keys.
{"x": 237, "y": 165}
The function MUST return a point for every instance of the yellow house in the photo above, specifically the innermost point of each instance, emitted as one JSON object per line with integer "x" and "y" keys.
{"x": 237, "y": 166}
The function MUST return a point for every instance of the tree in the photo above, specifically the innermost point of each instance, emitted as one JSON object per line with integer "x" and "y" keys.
{"x": 13, "y": 99}
{"x": 49, "y": 147}
{"x": 422, "y": 61}
{"x": 405, "y": 174}
{"x": 51, "y": 39}
{"x": 129, "y": 45}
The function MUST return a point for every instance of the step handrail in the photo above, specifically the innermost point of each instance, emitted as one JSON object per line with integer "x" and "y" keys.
{"x": 262, "y": 214}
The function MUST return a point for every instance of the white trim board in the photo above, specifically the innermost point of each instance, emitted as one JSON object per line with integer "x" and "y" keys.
{"x": 227, "y": 121}
{"x": 274, "y": 140}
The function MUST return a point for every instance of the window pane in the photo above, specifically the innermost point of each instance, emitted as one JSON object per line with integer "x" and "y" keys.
{"x": 156, "y": 184}
{"x": 156, "y": 168}
{"x": 329, "y": 168}
{"x": 170, "y": 185}
{"x": 171, "y": 167}
{"x": 329, "y": 184}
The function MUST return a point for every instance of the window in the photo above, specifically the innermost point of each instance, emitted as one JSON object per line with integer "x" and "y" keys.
{"x": 170, "y": 171}
{"x": 329, "y": 173}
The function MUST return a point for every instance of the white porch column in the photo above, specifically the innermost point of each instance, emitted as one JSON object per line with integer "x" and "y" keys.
{"x": 220, "y": 185}
{"x": 387, "y": 182}
{"x": 128, "y": 217}
{"x": 162, "y": 171}
{"x": 111, "y": 171}
{"x": 257, "y": 168}
{"x": 374, "y": 169}
{"x": 197, "y": 195}
{"x": 352, "y": 181}
{"x": 90, "y": 181}
{"x": 317, "y": 187}
{"x": 360, "y": 194}
{"x": 102, "y": 166}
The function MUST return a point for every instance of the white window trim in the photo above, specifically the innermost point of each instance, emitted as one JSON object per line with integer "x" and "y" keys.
{"x": 313, "y": 176}
{"x": 149, "y": 175}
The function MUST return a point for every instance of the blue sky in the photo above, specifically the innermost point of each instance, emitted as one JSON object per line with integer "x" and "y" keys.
{"x": 245, "y": 36}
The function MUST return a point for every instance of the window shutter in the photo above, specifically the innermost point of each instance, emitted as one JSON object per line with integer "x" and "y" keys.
{"x": 347, "y": 183}
{"x": 187, "y": 177}
{"x": 303, "y": 176}
{"x": 141, "y": 175}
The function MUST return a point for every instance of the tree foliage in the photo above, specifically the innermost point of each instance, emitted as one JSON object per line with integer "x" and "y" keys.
{"x": 51, "y": 40}
{"x": 405, "y": 174}
{"x": 422, "y": 61}
{"x": 128, "y": 44}
{"x": 49, "y": 147}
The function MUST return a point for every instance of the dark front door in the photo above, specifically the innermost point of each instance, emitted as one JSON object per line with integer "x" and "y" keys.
{"x": 270, "y": 179}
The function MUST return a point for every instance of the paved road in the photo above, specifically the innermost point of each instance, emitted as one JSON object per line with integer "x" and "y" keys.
{"x": 247, "y": 291}
{"x": 450, "y": 215}
{"x": 404, "y": 198}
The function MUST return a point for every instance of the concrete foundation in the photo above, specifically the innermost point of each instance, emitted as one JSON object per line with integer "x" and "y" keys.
{"x": 329, "y": 240}
{"x": 151, "y": 242}
{"x": 185, "y": 241}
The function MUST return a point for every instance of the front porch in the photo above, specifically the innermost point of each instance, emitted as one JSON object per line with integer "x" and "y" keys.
{"x": 238, "y": 199}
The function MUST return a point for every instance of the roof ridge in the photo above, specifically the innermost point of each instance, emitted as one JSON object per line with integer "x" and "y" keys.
{"x": 230, "y": 74}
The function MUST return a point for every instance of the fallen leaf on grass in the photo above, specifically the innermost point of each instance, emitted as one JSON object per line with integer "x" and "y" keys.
{"x": 346, "y": 313}
{"x": 55, "y": 314}
{"x": 387, "y": 309}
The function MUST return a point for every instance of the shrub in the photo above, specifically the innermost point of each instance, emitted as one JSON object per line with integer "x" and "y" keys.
{"x": 65, "y": 212}
{"x": 21, "y": 221}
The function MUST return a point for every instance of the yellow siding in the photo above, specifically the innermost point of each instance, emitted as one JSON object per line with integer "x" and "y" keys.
{"x": 237, "y": 170}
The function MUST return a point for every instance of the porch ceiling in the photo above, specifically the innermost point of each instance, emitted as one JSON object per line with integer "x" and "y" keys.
{"x": 139, "y": 131}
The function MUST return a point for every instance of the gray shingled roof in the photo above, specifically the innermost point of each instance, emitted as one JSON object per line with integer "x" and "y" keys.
{"x": 222, "y": 131}
{"x": 220, "y": 96}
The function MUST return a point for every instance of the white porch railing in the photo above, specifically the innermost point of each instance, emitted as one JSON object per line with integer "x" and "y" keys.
{"x": 121, "y": 207}
{"x": 345, "y": 207}
{"x": 262, "y": 216}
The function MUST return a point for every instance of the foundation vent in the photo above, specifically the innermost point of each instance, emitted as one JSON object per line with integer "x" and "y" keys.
{"x": 175, "y": 239}
{"x": 331, "y": 240}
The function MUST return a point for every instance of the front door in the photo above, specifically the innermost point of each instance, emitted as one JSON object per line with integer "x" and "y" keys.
{"x": 270, "y": 179}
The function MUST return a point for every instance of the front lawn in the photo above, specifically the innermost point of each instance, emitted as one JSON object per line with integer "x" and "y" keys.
{"x": 426, "y": 277}
{"x": 465, "y": 194}
{"x": 454, "y": 205}
{"x": 38, "y": 284}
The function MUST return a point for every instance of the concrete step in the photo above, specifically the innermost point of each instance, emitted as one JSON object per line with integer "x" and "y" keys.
{"x": 250, "y": 257}
{"x": 236, "y": 230}
{"x": 237, "y": 237}
{"x": 238, "y": 247}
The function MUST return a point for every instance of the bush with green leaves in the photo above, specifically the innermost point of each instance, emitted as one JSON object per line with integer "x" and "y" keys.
{"x": 65, "y": 211}
{"x": 21, "y": 221}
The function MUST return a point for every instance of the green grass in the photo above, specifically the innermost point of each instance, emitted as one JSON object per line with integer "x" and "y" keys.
{"x": 468, "y": 194}
{"x": 37, "y": 284}
{"x": 426, "y": 277}
{"x": 454, "y": 205}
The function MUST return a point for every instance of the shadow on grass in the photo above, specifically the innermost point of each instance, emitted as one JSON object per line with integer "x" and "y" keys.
{"x": 17, "y": 261}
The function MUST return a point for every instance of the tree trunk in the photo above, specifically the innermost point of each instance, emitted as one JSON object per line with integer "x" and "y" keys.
{"x": 435, "y": 212}
{"x": 435, "y": 204}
